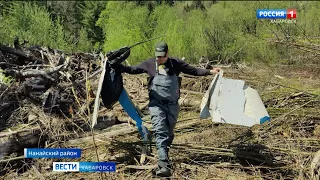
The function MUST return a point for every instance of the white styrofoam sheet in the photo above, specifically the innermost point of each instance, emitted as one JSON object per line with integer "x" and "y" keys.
{"x": 231, "y": 101}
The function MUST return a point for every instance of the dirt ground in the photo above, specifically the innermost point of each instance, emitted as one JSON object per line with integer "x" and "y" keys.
{"x": 281, "y": 149}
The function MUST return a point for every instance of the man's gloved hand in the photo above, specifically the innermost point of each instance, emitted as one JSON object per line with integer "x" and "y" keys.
{"x": 119, "y": 55}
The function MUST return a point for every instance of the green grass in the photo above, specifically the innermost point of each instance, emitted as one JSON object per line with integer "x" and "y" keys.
{"x": 7, "y": 80}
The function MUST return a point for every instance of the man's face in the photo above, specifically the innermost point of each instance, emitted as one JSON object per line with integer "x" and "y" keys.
{"x": 162, "y": 59}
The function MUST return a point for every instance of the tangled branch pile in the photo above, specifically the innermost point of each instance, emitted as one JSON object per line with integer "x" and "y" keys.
{"x": 51, "y": 94}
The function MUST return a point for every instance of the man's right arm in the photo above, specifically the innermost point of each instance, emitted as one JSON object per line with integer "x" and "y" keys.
{"x": 138, "y": 69}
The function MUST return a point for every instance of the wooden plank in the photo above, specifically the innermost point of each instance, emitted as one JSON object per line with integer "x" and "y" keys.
{"x": 96, "y": 102}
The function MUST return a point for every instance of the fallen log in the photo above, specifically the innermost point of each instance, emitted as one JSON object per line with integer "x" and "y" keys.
{"x": 35, "y": 72}
{"x": 15, "y": 142}
{"x": 12, "y": 159}
{"x": 20, "y": 53}
{"x": 11, "y": 133}
{"x": 106, "y": 135}
{"x": 145, "y": 167}
{"x": 123, "y": 129}
{"x": 6, "y": 109}
{"x": 28, "y": 73}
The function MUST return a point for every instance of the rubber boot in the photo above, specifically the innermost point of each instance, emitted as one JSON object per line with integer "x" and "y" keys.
{"x": 163, "y": 172}
{"x": 164, "y": 169}
{"x": 164, "y": 163}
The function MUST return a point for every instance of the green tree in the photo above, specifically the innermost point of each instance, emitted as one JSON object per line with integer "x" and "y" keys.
{"x": 124, "y": 24}
{"x": 82, "y": 43}
{"x": 90, "y": 12}
{"x": 33, "y": 23}
{"x": 194, "y": 39}
{"x": 70, "y": 14}
{"x": 165, "y": 20}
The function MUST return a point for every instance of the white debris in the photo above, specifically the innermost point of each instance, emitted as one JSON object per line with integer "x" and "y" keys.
{"x": 231, "y": 101}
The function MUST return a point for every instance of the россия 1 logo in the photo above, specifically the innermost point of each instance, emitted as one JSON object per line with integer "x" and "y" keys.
{"x": 278, "y": 15}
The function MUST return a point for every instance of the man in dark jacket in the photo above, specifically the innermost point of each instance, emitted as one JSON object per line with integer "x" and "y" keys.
{"x": 164, "y": 93}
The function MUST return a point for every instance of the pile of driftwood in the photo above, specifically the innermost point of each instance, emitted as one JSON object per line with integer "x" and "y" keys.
{"x": 39, "y": 88}
{"x": 47, "y": 96}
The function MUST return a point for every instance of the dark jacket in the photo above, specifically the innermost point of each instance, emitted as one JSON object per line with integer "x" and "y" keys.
{"x": 174, "y": 65}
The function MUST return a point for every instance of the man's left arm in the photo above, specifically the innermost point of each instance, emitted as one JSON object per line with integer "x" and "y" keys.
{"x": 188, "y": 69}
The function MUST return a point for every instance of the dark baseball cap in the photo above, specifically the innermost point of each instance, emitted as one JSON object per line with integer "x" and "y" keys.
{"x": 161, "y": 49}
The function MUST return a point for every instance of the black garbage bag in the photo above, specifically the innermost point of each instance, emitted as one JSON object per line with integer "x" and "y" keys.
{"x": 113, "y": 82}
{"x": 112, "y": 86}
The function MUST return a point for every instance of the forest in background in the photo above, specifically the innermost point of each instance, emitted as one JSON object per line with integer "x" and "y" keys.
{"x": 47, "y": 97}
{"x": 219, "y": 30}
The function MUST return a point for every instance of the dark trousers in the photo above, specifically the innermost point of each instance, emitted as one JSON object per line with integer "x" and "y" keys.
{"x": 164, "y": 118}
